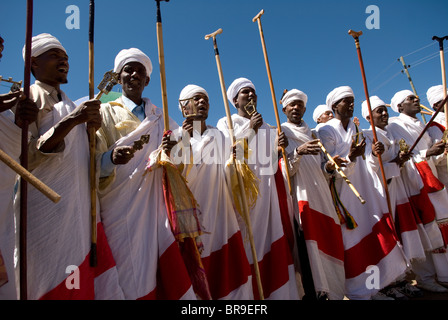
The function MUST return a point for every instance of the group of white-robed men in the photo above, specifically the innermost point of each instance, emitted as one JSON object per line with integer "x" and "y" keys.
{"x": 138, "y": 254}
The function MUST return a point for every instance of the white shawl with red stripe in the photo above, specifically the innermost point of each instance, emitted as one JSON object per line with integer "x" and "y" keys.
{"x": 134, "y": 214}
{"x": 319, "y": 220}
{"x": 59, "y": 234}
{"x": 224, "y": 257}
{"x": 408, "y": 224}
{"x": 273, "y": 253}
{"x": 372, "y": 242}
{"x": 10, "y": 144}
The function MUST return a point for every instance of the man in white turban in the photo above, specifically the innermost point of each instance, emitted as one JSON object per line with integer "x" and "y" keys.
{"x": 266, "y": 216}
{"x": 365, "y": 227}
{"x": 435, "y": 96}
{"x": 133, "y": 210}
{"x": 314, "y": 205}
{"x": 433, "y": 198}
{"x": 202, "y": 155}
{"x": 59, "y": 234}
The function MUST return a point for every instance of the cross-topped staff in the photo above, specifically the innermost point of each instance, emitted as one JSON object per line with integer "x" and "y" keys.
{"x": 24, "y": 156}
{"x": 242, "y": 194}
{"x": 166, "y": 119}
{"x": 274, "y": 100}
{"x": 356, "y": 36}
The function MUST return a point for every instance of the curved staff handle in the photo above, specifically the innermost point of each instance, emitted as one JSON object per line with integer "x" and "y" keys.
{"x": 242, "y": 194}
{"x": 274, "y": 100}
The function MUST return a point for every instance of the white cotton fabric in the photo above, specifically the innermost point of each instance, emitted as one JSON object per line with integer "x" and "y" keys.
{"x": 189, "y": 92}
{"x": 310, "y": 185}
{"x": 398, "y": 98}
{"x": 338, "y": 94}
{"x": 337, "y": 141}
{"x": 10, "y": 143}
{"x": 293, "y": 95}
{"x": 236, "y": 86}
{"x": 375, "y": 102}
{"x": 265, "y": 215}
{"x": 435, "y": 94}
{"x": 43, "y": 43}
{"x": 320, "y": 110}
{"x": 126, "y": 56}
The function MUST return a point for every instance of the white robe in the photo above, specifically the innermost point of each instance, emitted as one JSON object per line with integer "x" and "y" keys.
{"x": 10, "y": 143}
{"x": 317, "y": 215}
{"x": 434, "y": 190}
{"x": 273, "y": 253}
{"x": 224, "y": 257}
{"x": 134, "y": 214}
{"x": 408, "y": 225}
{"x": 372, "y": 243}
{"x": 59, "y": 235}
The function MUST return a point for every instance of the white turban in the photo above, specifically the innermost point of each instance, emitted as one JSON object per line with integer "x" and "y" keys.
{"x": 132, "y": 55}
{"x": 42, "y": 43}
{"x": 293, "y": 95}
{"x": 338, "y": 94}
{"x": 320, "y": 110}
{"x": 399, "y": 97}
{"x": 375, "y": 102}
{"x": 189, "y": 92}
{"x": 236, "y": 86}
{"x": 435, "y": 94}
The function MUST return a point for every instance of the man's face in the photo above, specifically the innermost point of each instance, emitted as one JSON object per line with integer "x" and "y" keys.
{"x": 295, "y": 111}
{"x": 410, "y": 106}
{"x": 133, "y": 79}
{"x": 325, "y": 117}
{"x": 51, "y": 67}
{"x": 242, "y": 99}
{"x": 198, "y": 105}
{"x": 343, "y": 109}
{"x": 380, "y": 117}
{"x": 437, "y": 105}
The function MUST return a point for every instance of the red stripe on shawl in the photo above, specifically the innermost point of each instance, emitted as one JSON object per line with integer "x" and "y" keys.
{"x": 438, "y": 125}
{"x": 283, "y": 203}
{"x": 172, "y": 277}
{"x": 227, "y": 268}
{"x": 405, "y": 219}
{"x": 274, "y": 268}
{"x": 322, "y": 229}
{"x": 371, "y": 249}
{"x": 87, "y": 274}
{"x": 432, "y": 184}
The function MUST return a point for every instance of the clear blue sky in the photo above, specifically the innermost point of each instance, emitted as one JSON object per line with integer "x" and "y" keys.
{"x": 307, "y": 43}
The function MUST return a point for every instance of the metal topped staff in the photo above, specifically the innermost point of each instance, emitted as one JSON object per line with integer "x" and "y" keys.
{"x": 274, "y": 100}
{"x": 356, "y": 36}
{"x": 240, "y": 180}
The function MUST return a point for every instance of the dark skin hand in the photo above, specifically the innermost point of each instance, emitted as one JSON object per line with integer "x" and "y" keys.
{"x": 357, "y": 150}
{"x": 26, "y": 112}
{"x": 9, "y": 100}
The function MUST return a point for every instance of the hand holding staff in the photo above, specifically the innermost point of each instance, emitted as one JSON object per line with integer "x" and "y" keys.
{"x": 240, "y": 180}
{"x": 274, "y": 100}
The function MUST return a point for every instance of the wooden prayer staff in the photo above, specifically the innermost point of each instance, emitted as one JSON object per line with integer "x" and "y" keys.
{"x": 274, "y": 100}
{"x": 24, "y": 157}
{"x": 442, "y": 63}
{"x": 356, "y": 36}
{"x": 166, "y": 119}
{"x": 240, "y": 180}
{"x": 92, "y": 140}
{"x": 429, "y": 123}
{"x": 410, "y": 81}
{"x": 341, "y": 173}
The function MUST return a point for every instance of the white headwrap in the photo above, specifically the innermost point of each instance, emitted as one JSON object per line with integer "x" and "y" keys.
{"x": 375, "y": 102}
{"x": 189, "y": 92}
{"x": 42, "y": 43}
{"x": 292, "y": 95}
{"x": 320, "y": 110}
{"x": 236, "y": 86}
{"x": 338, "y": 94}
{"x": 132, "y": 55}
{"x": 398, "y": 98}
{"x": 435, "y": 94}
